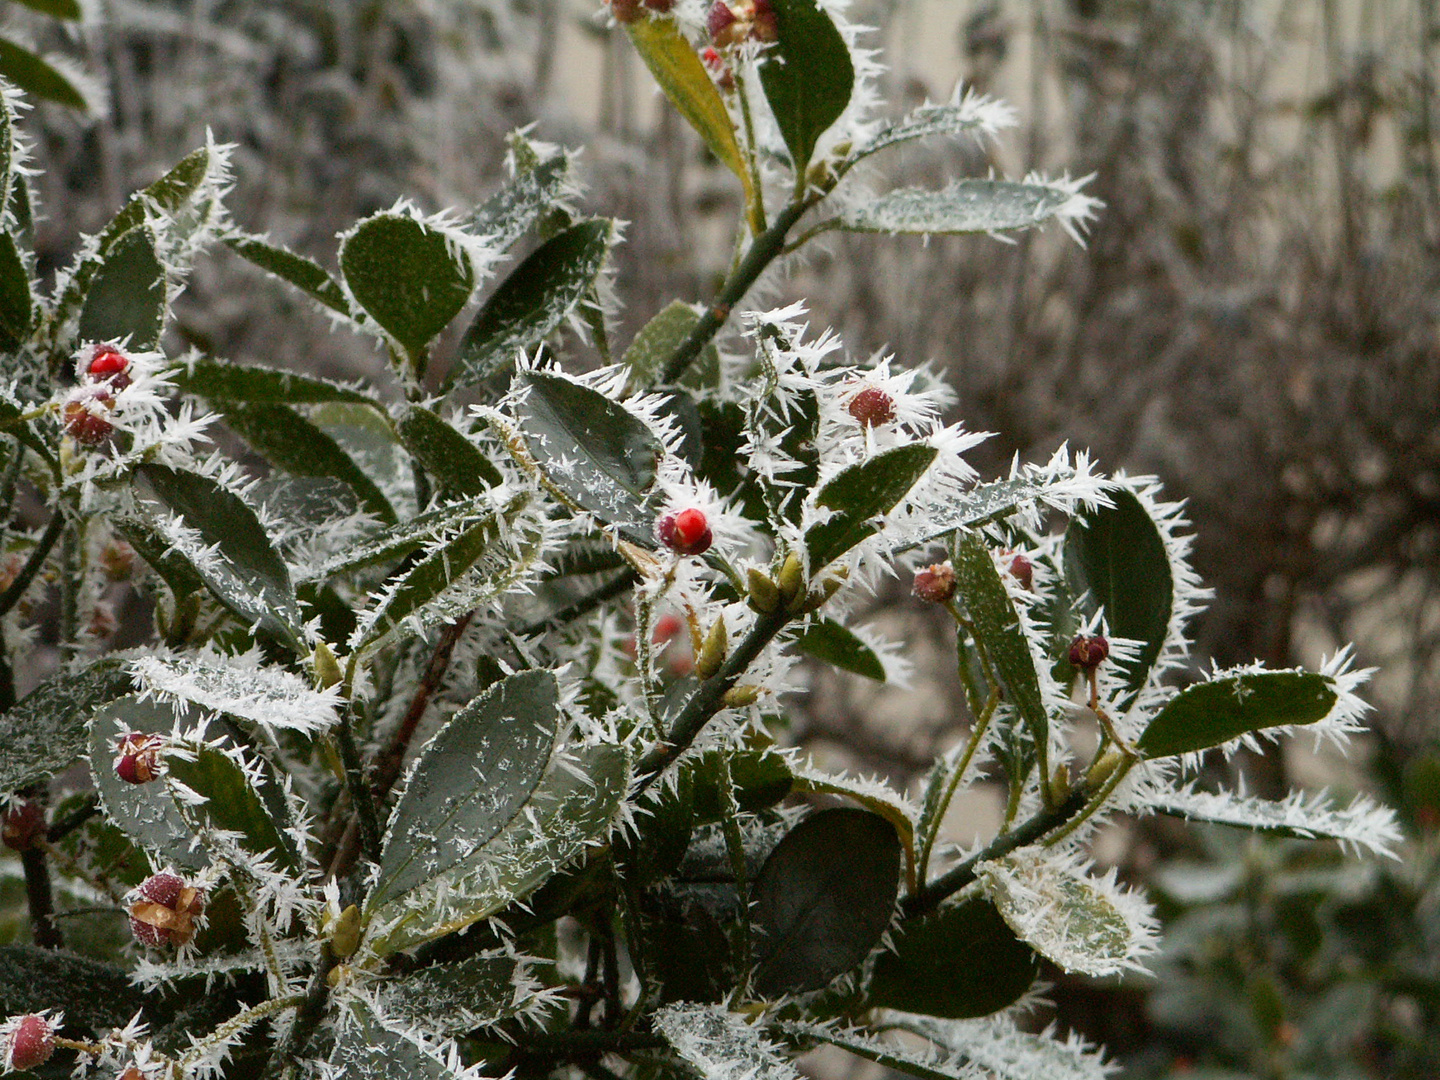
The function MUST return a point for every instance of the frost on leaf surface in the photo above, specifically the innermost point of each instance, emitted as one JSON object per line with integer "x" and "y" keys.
{"x": 720, "y": 1045}
{"x": 998, "y": 1047}
{"x": 271, "y": 697}
{"x": 46, "y": 730}
{"x": 573, "y": 808}
{"x": 1084, "y": 924}
{"x": 369, "y": 1048}
{"x": 474, "y": 993}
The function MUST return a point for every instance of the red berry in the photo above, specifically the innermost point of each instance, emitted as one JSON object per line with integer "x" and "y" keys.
{"x": 660, "y": 6}
{"x": 23, "y": 825}
{"x": 166, "y": 910}
{"x": 109, "y": 364}
{"x": 137, "y": 758}
{"x": 1023, "y": 571}
{"x": 935, "y": 584}
{"x": 1088, "y": 653}
{"x": 132, "y": 1072}
{"x": 667, "y": 627}
{"x": 721, "y": 24}
{"x": 31, "y": 1043}
{"x": 686, "y": 532}
{"x": 84, "y": 426}
{"x": 872, "y": 407}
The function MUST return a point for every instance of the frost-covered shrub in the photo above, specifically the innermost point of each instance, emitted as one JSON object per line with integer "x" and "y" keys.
{"x": 455, "y": 750}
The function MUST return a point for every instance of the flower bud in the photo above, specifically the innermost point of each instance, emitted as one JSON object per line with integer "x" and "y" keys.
{"x": 685, "y": 532}
{"x": 137, "y": 758}
{"x": 872, "y": 407}
{"x": 29, "y": 1043}
{"x": 791, "y": 579}
{"x": 345, "y": 933}
{"x": 713, "y": 652}
{"x": 764, "y": 593}
{"x": 935, "y": 584}
{"x": 23, "y": 825}
{"x": 326, "y": 666}
{"x": 737, "y": 697}
{"x": 109, "y": 365}
{"x": 166, "y": 910}
{"x": 1088, "y": 653}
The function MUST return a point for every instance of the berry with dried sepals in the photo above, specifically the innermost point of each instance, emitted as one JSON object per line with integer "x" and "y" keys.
{"x": 30, "y": 1042}
{"x": 660, "y": 7}
{"x": 685, "y": 532}
{"x": 117, "y": 560}
{"x": 723, "y": 24}
{"x": 83, "y": 422}
{"x": 137, "y": 757}
{"x": 1089, "y": 651}
{"x": 872, "y": 407}
{"x": 23, "y": 825}
{"x": 764, "y": 23}
{"x": 109, "y": 365}
{"x": 935, "y": 584}
{"x": 166, "y": 910}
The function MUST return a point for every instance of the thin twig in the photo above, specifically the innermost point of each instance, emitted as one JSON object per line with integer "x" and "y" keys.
{"x": 11, "y": 596}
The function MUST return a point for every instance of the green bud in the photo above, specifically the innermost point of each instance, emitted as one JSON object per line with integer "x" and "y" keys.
{"x": 791, "y": 580}
{"x": 712, "y": 653}
{"x": 737, "y": 697}
{"x": 764, "y": 593}
{"x": 345, "y": 933}
{"x": 326, "y": 667}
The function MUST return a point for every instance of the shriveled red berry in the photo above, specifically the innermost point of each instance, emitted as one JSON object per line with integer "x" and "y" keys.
{"x": 721, "y": 22}
{"x": 137, "y": 757}
{"x": 1088, "y": 652}
{"x": 85, "y": 426}
{"x": 660, "y": 6}
{"x": 765, "y": 25}
{"x": 626, "y": 11}
{"x": 872, "y": 407}
{"x": 1023, "y": 571}
{"x": 686, "y": 532}
{"x": 30, "y": 1043}
{"x": 23, "y": 825}
{"x": 935, "y": 584}
{"x": 166, "y": 910}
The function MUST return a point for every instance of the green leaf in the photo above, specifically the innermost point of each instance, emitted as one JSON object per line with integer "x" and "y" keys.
{"x": 444, "y": 453}
{"x": 532, "y": 302}
{"x": 1312, "y": 816}
{"x": 479, "y": 546}
{"x": 681, "y": 74}
{"x": 126, "y": 297}
{"x": 979, "y": 505}
{"x": 892, "y": 1056}
{"x": 305, "y": 274}
{"x": 234, "y": 558}
{"x": 827, "y": 640}
{"x": 470, "y": 781}
{"x": 146, "y": 813}
{"x": 17, "y": 306}
{"x": 406, "y": 276}
{"x": 94, "y": 995}
{"x": 861, "y": 493}
{"x": 396, "y": 541}
{"x": 823, "y": 899}
{"x": 610, "y": 456}
{"x": 170, "y": 194}
{"x": 1225, "y": 708}
{"x": 290, "y": 442}
{"x": 572, "y": 808}
{"x": 876, "y": 796}
{"x": 760, "y": 778}
{"x": 921, "y": 123}
{"x": 216, "y": 380}
{"x": 141, "y": 532}
{"x": 996, "y": 1047}
{"x": 997, "y": 629}
{"x": 366, "y": 434}
{"x": 232, "y": 803}
{"x": 1118, "y": 554}
{"x": 38, "y": 77}
{"x": 513, "y": 210}
{"x": 807, "y": 77}
{"x": 656, "y": 341}
{"x": 46, "y": 731}
{"x": 965, "y": 206}
{"x": 1064, "y": 916}
{"x": 964, "y": 960}
{"x": 720, "y": 1045}
{"x": 455, "y": 999}
{"x": 367, "y": 1049}
{"x": 61, "y": 9}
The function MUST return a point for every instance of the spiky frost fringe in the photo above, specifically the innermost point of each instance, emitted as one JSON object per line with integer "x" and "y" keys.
{"x": 997, "y": 1045}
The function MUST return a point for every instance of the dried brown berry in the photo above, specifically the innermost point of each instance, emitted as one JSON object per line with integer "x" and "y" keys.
{"x": 166, "y": 910}
{"x": 30, "y": 1043}
{"x": 1023, "y": 571}
{"x": 1088, "y": 652}
{"x": 872, "y": 407}
{"x": 660, "y": 6}
{"x": 137, "y": 757}
{"x": 723, "y": 24}
{"x": 686, "y": 532}
{"x": 83, "y": 424}
{"x": 626, "y": 11}
{"x": 23, "y": 825}
{"x": 935, "y": 584}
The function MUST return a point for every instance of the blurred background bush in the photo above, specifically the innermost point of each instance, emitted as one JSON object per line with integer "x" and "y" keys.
{"x": 1254, "y": 319}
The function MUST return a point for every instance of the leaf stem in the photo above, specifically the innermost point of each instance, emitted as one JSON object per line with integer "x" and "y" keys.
{"x": 11, "y": 596}
{"x": 927, "y": 842}
{"x": 929, "y": 896}
{"x": 40, "y": 898}
{"x": 762, "y": 252}
{"x": 355, "y": 784}
{"x": 708, "y": 699}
